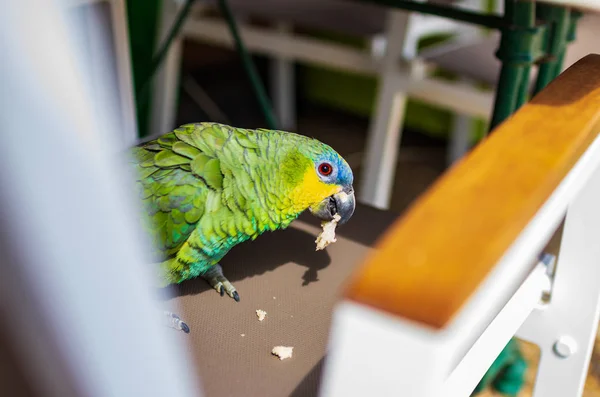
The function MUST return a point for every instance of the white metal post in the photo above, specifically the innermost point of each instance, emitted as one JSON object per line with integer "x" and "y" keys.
{"x": 482, "y": 353}
{"x": 372, "y": 353}
{"x": 460, "y": 134}
{"x": 283, "y": 84}
{"x": 165, "y": 87}
{"x": 384, "y": 134}
{"x": 566, "y": 328}
{"x": 98, "y": 33}
{"x": 124, "y": 70}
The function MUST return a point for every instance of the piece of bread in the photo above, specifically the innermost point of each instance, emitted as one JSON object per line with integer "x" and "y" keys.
{"x": 282, "y": 352}
{"x": 327, "y": 236}
{"x": 261, "y": 314}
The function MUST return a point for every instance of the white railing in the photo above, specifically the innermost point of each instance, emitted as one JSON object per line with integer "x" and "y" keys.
{"x": 376, "y": 350}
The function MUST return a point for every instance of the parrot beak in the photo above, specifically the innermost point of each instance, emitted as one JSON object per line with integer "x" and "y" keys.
{"x": 341, "y": 203}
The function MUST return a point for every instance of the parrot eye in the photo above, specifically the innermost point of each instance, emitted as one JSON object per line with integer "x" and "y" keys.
{"x": 325, "y": 169}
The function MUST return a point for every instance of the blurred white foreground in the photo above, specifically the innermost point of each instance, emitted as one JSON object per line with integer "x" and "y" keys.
{"x": 74, "y": 286}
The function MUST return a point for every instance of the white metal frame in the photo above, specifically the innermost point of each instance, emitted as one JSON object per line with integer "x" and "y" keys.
{"x": 565, "y": 330}
{"x": 383, "y": 141}
{"x": 397, "y": 80}
{"x": 125, "y": 105}
{"x": 283, "y": 83}
{"x": 400, "y": 355}
{"x": 125, "y": 69}
{"x": 166, "y": 81}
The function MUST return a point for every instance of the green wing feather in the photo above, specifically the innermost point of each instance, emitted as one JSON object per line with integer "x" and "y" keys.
{"x": 175, "y": 174}
{"x": 189, "y": 172}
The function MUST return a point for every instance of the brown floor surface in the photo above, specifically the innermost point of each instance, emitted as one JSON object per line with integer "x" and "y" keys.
{"x": 282, "y": 274}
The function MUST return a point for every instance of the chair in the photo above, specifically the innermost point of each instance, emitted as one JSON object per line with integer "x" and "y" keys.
{"x": 393, "y": 35}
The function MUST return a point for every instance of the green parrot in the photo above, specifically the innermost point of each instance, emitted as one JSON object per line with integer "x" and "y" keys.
{"x": 206, "y": 187}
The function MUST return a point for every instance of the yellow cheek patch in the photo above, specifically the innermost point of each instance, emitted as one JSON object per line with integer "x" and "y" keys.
{"x": 311, "y": 191}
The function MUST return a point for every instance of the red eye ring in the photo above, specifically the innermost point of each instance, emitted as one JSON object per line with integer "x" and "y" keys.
{"x": 325, "y": 169}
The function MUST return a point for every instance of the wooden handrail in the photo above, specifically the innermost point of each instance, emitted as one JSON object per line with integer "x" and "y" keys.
{"x": 433, "y": 259}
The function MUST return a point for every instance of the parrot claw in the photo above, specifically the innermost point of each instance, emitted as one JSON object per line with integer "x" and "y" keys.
{"x": 217, "y": 280}
{"x": 185, "y": 328}
{"x": 174, "y": 321}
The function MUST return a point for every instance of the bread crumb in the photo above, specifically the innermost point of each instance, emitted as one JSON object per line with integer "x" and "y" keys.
{"x": 261, "y": 314}
{"x": 274, "y": 298}
{"x": 327, "y": 236}
{"x": 282, "y": 352}
{"x": 243, "y": 335}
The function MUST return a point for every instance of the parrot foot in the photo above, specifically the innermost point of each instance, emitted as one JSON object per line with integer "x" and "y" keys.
{"x": 216, "y": 279}
{"x": 174, "y": 321}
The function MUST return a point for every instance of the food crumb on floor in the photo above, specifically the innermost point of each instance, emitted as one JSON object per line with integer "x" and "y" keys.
{"x": 282, "y": 352}
{"x": 261, "y": 314}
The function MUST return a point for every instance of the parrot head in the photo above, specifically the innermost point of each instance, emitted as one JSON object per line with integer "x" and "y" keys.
{"x": 324, "y": 181}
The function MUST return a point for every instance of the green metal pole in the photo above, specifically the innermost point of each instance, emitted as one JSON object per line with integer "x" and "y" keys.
{"x": 558, "y": 19}
{"x": 564, "y": 32}
{"x": 509, "y": 84}
{"x": 259, "y": 90}
{"x": 525, "y": 16}
{"x": 164, "y": 48}
{"x": 517, "y": 53}
{"x": 523, "y": 93}
{"x": 574, "y": 17}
